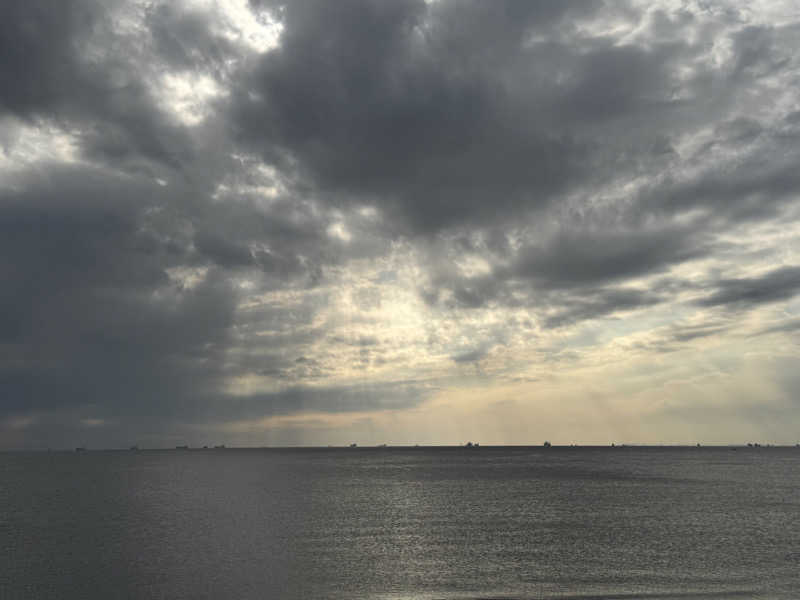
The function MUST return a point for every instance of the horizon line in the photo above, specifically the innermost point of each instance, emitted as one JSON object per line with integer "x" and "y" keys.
{"x": 543, "y": 446}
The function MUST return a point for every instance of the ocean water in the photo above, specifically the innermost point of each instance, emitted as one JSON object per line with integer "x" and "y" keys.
{"x": 393, "y": 523}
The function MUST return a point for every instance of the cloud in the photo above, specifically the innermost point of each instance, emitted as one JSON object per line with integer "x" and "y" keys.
{"x": 747, "y": 292}
{"x": 470, "y": 356}
{"x": 223, "y": 252}
{"x": 600, "y": 303}
{"x": 215, "y": 214}
{"x": 585, "y": 257}
{"x": 396, "y": 105}
{"x": 92, "y": 320}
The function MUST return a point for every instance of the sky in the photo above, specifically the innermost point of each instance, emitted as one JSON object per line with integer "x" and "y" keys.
{"x": 313, "y": 223}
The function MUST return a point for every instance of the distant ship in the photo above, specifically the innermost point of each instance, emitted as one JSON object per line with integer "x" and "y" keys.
{"x": 219, "y": 447}
{"x": 181, "y": 447}
{"x": 80, "y": 449}
{"x": 353, "y": 445}
{"x": 471, "y": 445}
{"x": 134, "y": 447}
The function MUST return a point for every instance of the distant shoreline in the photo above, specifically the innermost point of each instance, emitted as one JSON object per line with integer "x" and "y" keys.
{"x": 389, "y": 447}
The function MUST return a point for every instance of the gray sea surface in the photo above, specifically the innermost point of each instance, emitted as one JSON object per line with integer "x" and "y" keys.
{"x": 396, "y": 523}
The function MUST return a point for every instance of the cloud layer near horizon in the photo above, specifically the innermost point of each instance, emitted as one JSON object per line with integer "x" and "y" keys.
{"x": 317, "y": 222}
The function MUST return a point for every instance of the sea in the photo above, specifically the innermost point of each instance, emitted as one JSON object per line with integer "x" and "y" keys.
{"x": 402, "y": 523}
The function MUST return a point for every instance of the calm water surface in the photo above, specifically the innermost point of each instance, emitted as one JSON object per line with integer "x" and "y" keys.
{"x": 402, "y": 523}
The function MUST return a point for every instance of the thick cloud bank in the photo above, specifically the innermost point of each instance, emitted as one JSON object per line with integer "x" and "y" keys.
{"x": 407, "y": 221}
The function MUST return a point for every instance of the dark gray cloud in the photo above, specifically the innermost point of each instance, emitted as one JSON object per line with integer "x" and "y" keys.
{"x": 37, "y": 76}
{"x": 678, "y": 336}
{"x": 599, "y": 303}
{"x": 222, "y": 251}
{"x": 471, "y": 356}
{"x": 573, "y": 275}
{"x": 746, "y": 292}
{"x": 69, "y": 63}
{"x": 431, "y": 111}
{"x": 90, "y": 315}
{"x": 687, "y": 333}
{"x": 585, "y": 257}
